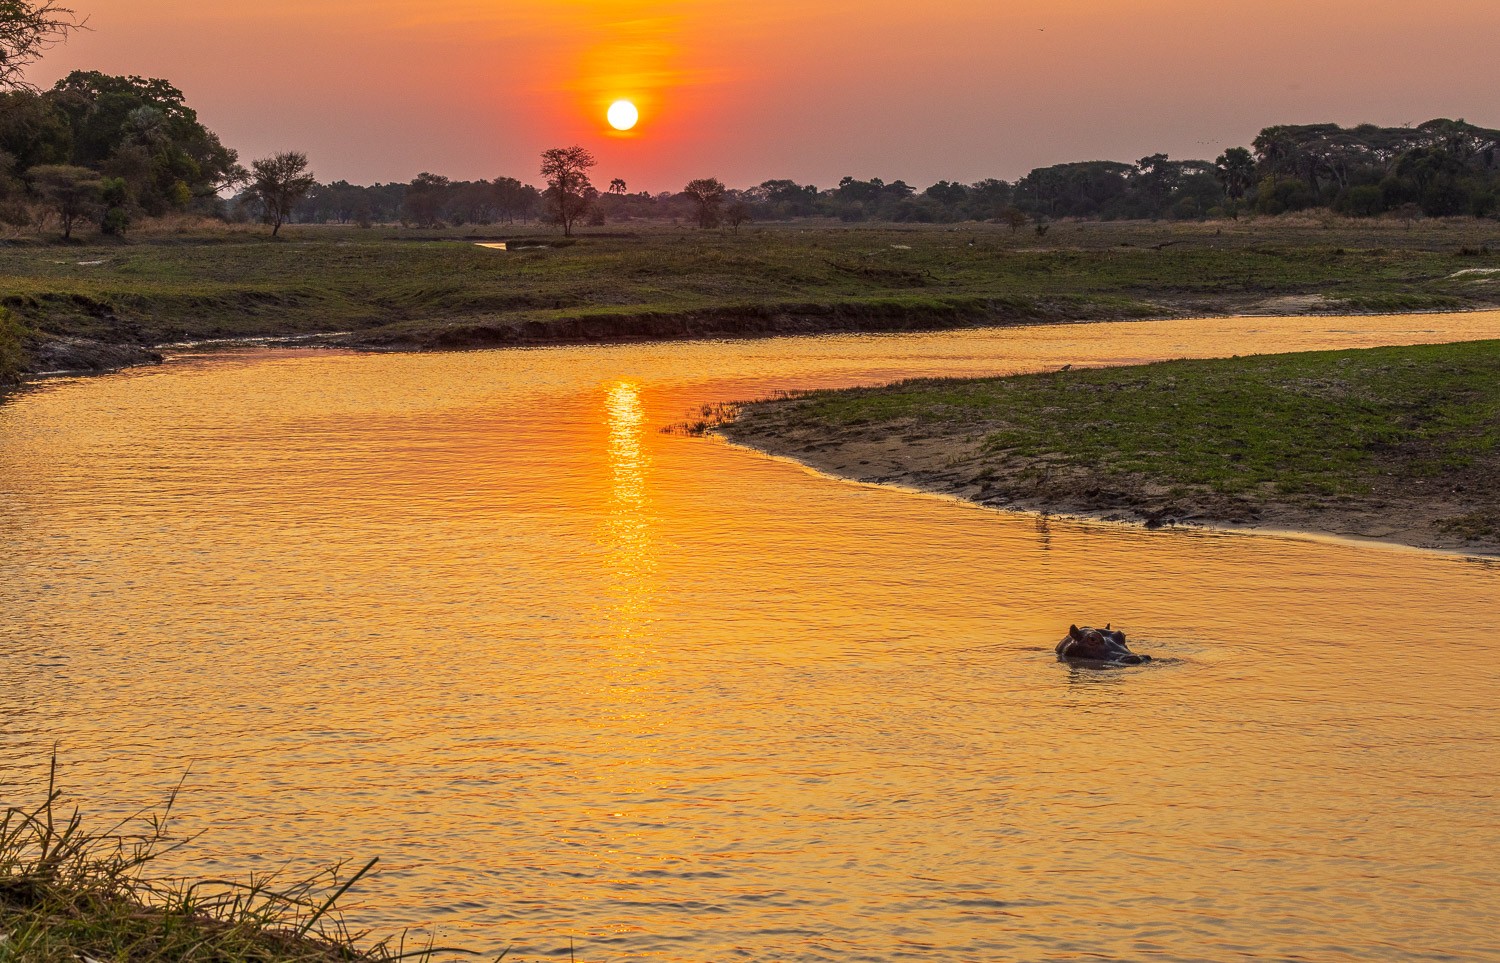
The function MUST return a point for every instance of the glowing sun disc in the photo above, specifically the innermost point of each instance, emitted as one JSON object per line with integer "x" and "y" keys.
{"x": 623, "y": 115}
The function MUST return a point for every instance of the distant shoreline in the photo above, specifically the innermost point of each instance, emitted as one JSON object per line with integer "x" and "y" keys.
{"x": 101, "y": 359}
{"x": 103, "y": 307}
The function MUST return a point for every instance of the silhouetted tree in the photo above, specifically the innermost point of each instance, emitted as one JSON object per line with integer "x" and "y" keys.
{"x": 27, "y": 28}
{"x": 1235, "y": 170}
{"x": 738, "y": 212}
{"x": 948, "y": 193}
{"x": 707, "y": 194}
{"x": 71, "y": 192}
{"x": 279, "y": 182}
{"x": 569, "y": 191}
{"x": 786, "y": 198}
{"x": 514, "y": 199}
{"x": 424, "y": 200}
{"x": 989, "y": 198}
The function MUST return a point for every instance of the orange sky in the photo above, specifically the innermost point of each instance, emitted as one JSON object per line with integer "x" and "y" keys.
{"x": 379, "y": 90}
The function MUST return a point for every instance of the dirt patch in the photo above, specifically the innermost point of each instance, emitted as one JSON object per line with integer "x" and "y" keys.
{"x": 1292, "y": 304}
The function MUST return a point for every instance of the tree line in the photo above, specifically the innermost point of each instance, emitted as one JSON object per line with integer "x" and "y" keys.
{"x": 1442, "y": 168}
{"x": 112, "y": 149}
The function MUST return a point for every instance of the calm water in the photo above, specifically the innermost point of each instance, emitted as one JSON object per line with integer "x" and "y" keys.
{"x": 573, "y": 678}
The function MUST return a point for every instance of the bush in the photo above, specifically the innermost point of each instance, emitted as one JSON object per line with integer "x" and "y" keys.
{"x": 12, "y": 348}
{"x": 115, "y": 222}
{"x": 1187, "y": 209}
{"x": 1283, "y": 195}
{"x": 115, "y": 195}
{"x": 1367, "y": 200}
{"x": 1444, "y": 200}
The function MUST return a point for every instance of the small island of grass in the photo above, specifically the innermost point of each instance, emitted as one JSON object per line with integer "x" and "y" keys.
{"x": 1390, "y": 443}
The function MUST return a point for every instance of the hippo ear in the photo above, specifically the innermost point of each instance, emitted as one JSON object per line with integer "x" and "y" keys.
{"x": 1106, "y": 626}
{"x": 1073, "y": 632}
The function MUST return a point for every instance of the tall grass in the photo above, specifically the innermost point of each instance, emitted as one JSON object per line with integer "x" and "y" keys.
{"x": 72, "y": 894}
{"x": 711, "y": 417}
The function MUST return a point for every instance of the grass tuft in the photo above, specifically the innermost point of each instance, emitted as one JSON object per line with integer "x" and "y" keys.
{"x": 710, "y": 417}
{"x": 71, "y": 894}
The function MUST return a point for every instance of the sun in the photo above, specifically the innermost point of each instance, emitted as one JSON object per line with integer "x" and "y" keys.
{"x": 623, "y": 115}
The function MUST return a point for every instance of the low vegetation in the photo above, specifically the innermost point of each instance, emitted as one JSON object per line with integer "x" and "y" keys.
{"x": 421, "y": 289}
{"x": 12, "y": 349}
{"x": 71, "y": 894}
{"x": 1400, "y": 442}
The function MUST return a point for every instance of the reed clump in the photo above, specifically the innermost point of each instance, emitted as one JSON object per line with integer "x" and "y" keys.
{"x": 71, "y": 894}
{"x": 710, "y": 417}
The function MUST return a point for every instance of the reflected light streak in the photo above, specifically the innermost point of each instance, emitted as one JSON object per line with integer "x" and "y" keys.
{"x": 628, "y": 536}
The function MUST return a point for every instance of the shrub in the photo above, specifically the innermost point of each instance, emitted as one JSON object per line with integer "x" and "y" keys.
{"x": 1282, "y": 195}
{"x": 1367, "y": 200}
{"x": 115, "y": 222}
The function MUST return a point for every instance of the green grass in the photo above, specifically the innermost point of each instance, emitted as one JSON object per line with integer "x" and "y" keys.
{"x": 12, "y": 348}
{"x": 69, "y": 894}
{"x": 395, "y": 287}
{"x": 1409, "y": 424}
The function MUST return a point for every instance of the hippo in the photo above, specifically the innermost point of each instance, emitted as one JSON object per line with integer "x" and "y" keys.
{"x": 1097, "y": 645}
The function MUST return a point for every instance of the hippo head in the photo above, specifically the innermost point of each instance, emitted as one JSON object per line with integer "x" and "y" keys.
{"x": 1097, "y": 645}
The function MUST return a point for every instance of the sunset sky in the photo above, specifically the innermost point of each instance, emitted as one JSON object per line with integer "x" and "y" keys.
{"x": 379, "y": 90}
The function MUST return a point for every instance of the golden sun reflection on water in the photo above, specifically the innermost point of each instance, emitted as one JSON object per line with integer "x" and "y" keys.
{"x": 628, "y": 524}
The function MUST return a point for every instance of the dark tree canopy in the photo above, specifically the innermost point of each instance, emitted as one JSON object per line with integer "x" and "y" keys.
{"x": 1443, "y": 167}
{"x": 137, "y": 130}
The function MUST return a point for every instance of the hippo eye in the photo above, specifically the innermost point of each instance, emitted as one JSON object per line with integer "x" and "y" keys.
{"x": 1120, "y": 637}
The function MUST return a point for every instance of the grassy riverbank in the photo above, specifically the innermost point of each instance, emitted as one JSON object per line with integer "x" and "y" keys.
{"x": 100, "y": 306}
{"x": 1394, "y": 443}
{"x": 71, "y": 894}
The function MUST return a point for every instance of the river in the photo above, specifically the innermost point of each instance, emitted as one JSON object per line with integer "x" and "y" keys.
{"x": 578, "y": 680}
